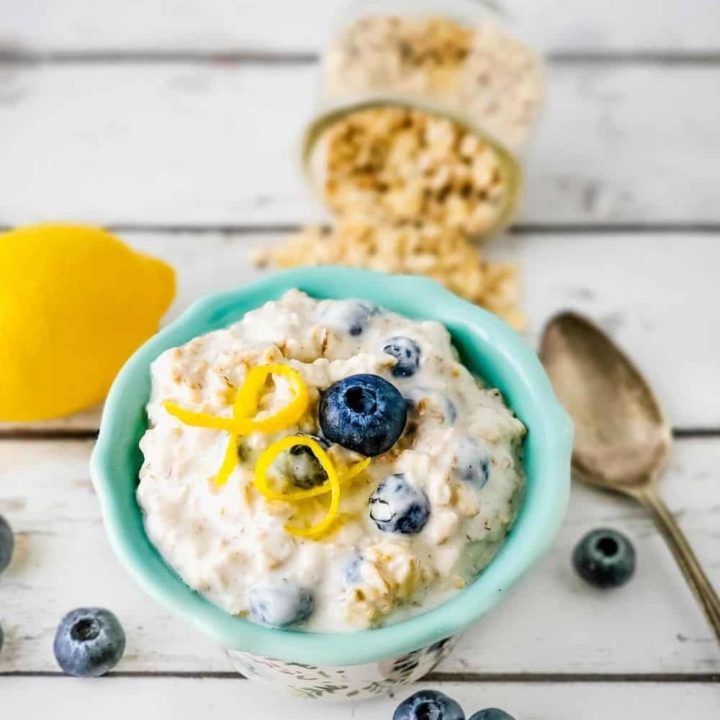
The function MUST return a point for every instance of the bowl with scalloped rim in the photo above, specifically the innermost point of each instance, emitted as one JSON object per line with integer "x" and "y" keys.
{"x": 368, "y": 662}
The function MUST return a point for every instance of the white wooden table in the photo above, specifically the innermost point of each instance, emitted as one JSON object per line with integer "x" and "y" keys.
{"x": 176, "y": 123}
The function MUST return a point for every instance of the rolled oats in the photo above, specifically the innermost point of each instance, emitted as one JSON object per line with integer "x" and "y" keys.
{"x": 399, "y": 165}
{"x": 441, "y": 253}
{"x": 480, "y": 70}
{"x": 410, "y": 187}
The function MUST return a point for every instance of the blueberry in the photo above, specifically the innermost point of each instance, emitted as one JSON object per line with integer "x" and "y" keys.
{"x": 7, "y": 543}
{"x": 442, "y": 401}
{"x": 491, "y": 714}
{"x": 397, "y": 506}
{"x": 363, "y": 413}
{"x": 2, "y": 638}
{"x": 89, "y": 642}
{"x": 349, "y": 316}
{"x": 352, "y": 573}
{"x": 472, "y": 462}
{"x": 281, "y": 605}
{"x": 428, "y": 705}
{"x": 407, "y": 354}
{"x": 604, "y": 558}
{"x": 302, "y": 467}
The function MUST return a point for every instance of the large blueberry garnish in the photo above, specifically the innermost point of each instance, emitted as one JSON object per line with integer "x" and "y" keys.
{"x": 350, "y": 316}
{"x": 399, "y": 507}
{"x": 491, "y": 714}
{"x": 7, "y": 543}
{"x": 364, "y": 413}
{"x": 428, "y": 705}
{"x": 605, "y": 558}
{"x": 89, "y": 642}
{"x": 472, "y": 462}
{"x": 302, "y": 467}
{"x": 281, "y": 605}
{"x": 407, "y": 354}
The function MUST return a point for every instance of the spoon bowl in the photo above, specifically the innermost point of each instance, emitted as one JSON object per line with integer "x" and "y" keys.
{"x": 622, "y": 440}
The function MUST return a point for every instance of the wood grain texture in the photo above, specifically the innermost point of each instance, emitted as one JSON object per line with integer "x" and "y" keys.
{"x": 657, "y": 295}
{"x": 181, "y": 699}
{"x": 283, "y": 26}
{"x": 187, "y": 144}
{"x": 652, "y": 625}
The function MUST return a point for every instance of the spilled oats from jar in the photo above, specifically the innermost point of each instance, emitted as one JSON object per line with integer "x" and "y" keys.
{"x": 422, "y": 122}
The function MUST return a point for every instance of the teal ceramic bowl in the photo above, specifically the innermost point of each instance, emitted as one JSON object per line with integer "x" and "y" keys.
{"x": 487, "y": 346}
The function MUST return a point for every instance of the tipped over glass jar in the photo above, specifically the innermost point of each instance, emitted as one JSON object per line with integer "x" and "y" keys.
{"x": 425, "y": 109}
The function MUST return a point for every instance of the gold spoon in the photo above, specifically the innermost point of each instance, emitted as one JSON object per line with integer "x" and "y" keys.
{"x": 622, "y": 439}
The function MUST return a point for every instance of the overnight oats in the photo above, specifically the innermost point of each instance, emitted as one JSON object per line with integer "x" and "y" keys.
{"x": 326, "y": 465}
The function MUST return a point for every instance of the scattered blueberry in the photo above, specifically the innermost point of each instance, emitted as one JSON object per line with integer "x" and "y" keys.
{"x": 349, "y": 316}
{"x": 303, "y": 468}
{"x": 407, "y": 354}
{"x": 448, "y": 409}
{"x": 397, "y": 506}
{"x": 352, "y": 572}
{"x": 491, "y": 714}
{"x": 605, "y": 558}
{"x": 364, "y": 413}
{"x": 442, "y": 401}
{"x": 89, "y": 642}
{"x": 428, "y": 705}
{"x": 7, "y": 543}
{"x": 472, "y": 462}
{"x": 281, "y": 605}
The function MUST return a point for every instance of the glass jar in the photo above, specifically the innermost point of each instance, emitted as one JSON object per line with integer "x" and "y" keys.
{"x": 425, "y": 108}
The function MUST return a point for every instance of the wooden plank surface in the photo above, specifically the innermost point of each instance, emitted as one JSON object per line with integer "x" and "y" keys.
{"x": 202, "y": 144}
{"x": 282, "y": 26}
{"x": 657, "y": 295}
{"x": 652, "y": 625}
{"x": 227, "y": 699}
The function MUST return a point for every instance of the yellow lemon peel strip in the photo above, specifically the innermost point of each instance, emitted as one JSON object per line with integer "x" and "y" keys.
{"x": 355, "y": 470}
{"x": 229, "y": 463}
{"x": 331, "y": 485}
{"x": 244, "y": 407}
{"x": 199, "y": 419}
{"x": 270, "y": 454}
{"x": 247, "y": 401}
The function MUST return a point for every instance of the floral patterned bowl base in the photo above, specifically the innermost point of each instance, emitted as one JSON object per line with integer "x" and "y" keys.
{"x": 349, "y": 682}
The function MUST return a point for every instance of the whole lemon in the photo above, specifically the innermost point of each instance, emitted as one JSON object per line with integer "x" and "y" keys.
{"x": 75, "y": 302}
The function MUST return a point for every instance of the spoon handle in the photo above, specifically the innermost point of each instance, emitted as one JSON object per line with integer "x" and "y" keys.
{"x": 685, "y": 557}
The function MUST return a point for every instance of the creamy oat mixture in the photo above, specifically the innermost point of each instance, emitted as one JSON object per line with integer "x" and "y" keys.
{"x": 459, "y": 453}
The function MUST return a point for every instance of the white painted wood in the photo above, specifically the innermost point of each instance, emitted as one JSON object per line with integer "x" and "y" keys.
{"x": 226, "y": 699}
{"x": 201, "y": 144}
{"x": 550, "y": 623}
{"x": 286, "y": 25}
{"x": 657, "y": 295}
